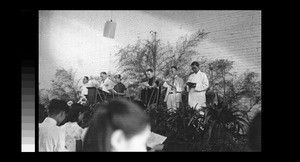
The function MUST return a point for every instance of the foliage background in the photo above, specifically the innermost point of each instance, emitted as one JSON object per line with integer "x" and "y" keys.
{"x": 231, "y": 100}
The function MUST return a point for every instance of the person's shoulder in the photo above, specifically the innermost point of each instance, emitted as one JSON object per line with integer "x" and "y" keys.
{"x": 77, "y": 126}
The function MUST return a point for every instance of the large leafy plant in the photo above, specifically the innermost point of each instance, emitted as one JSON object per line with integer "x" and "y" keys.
{"x": 224, "y": 123}
{"x": 64, "y": 86}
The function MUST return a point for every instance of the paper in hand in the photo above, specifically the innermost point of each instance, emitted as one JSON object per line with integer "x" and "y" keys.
{"x": 155, "y": 139}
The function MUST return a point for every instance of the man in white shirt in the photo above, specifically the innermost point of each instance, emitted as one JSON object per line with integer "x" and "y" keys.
{"x": 106, "y": 83}
{"x": 84, "y": 90}
{"x": 197, "y": 85}
{"x": 174, "y": 87}
{"x": 51, "y": 137}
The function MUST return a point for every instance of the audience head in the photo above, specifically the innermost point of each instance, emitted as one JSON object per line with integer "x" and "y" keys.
{"x": 195, "y": 66}
{"x": 57, "y": 110}
{"x": 117, "y": 126}
{"x": 149, "y": 73}
{"x": 76, "y": 113}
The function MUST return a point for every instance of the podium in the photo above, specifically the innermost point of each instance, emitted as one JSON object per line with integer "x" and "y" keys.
{"x": 92, "y": 95}
{"x": 97, "y": 95}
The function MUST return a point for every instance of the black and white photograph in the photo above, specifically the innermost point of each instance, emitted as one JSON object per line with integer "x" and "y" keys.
{"x": 149, "y": 81}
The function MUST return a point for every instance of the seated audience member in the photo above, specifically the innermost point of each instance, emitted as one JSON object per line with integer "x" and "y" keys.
{"x": 51, "y": 137}
{"x": 117, "y": 126}
{"x": 42, "y": 113}
{"x": 71, "y": 128}
{"x": 254, "y": 134}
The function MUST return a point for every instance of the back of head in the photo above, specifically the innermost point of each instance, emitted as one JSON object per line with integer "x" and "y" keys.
{"x": 116, "y": 115}
{"x": 73, "y": 114}
{"x": 56, "y": 106}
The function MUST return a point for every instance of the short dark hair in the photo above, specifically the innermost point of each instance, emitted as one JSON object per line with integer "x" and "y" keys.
{"x": 117, "y": 114}
{"x": 149, "y": 70}
{"x": 174, "y": 67}
{"x": 56, "y": 106}
{"x": 103, "y": 73}
{"x": 118, "y": 76}
{"x": 86, "y": 77}
{"x": 73, "y": 114}
{"x": 195, "y": 63}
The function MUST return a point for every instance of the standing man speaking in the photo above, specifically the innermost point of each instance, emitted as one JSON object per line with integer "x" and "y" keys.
{"x": 197, "y": 84}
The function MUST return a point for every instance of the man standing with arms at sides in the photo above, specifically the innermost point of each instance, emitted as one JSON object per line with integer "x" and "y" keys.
{"x": 174, "y": 87}
{"x": 197, "y": 84}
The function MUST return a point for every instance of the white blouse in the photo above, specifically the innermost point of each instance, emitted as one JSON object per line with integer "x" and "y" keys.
{"x": 51, "y": 137}
{"x": 72, "y": 133}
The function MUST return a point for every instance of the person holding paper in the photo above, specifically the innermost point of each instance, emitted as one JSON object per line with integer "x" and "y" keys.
{"x": 155, "y": 142}
{"x": 196, "y": 86}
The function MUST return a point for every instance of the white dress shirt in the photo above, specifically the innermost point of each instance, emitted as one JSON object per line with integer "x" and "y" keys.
{"x": 178, "y": 83}
{"x": 197, "y": 96}
{"x": 51, "y": 137}
{"x": 84, "y": 90}
{"x": 107, "y": 85}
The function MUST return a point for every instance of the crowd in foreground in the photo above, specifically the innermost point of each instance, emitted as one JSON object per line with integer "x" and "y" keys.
{"x": 119, "y": 125}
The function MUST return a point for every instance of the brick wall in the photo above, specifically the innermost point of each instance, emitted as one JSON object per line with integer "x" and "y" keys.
{"x": 234, "y": 35}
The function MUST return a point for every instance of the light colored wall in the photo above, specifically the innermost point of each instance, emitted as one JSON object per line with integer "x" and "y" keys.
{"x": 73, "y": 39}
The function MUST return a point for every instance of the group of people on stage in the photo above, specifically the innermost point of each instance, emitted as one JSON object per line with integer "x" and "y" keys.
{"x": 108, "y": 86}
{"x": 196, "y": 87}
